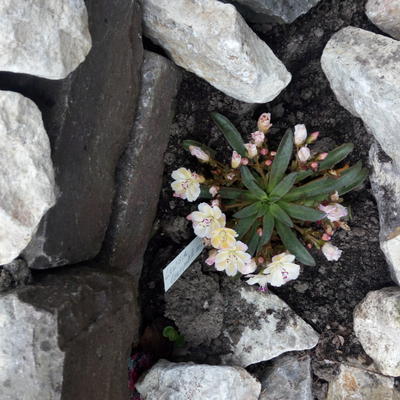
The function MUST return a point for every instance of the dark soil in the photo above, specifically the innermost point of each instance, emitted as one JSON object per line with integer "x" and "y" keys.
{"x": 326, "y": 295}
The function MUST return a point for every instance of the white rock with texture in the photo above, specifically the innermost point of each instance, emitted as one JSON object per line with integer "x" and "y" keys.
{"x": 183, "y": 381}
{"x": 363, "y": 69}
{"x": 212, "y": 40}
{"x": 377, "y": 326}
{"x": 26, "y": 173}
{"x": 385, "y": 14}
{"x": 46, "y": 38}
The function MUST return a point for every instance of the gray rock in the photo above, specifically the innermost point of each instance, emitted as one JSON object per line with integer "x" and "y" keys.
{"x": 54, "y": 42}
{"x": 213, "y": 41}
{"x": 280, "y": 11}
{"x": 385, "y": 183}
{"x": 359, "y": 384}
{"x": 181, "y": 381}
{"x": 377, "y": 326}
{"x": 363, "y": 69}
{"x": 26, "y": 173}
{"x": 88, "y": 117}
{"x": 67, "y": 337}
{"x": 385, "y": 14}
{"x": 289, "y": 378}
{"x": 14, "y": 274}
{"x": 141, "y": 166}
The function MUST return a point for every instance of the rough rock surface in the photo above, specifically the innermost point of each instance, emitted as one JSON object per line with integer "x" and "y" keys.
{"x": 364, "y": 72}
{"x": 14, "y": 274}
{"x": 88, "y": 118}
{"x": 213, "y": 41}
{"x": 377, "y": 326}
{"x": 141, "y": 166}
{"x": 359, "y": 384}
{"x": 26, "y": 173}
{"x": 47, "y": 38}
{"x": 385, "y": 14}
{"x": 288, "y": 378}
{"x": 67, "y": 337}
{"x": 256, "y": 326}
{"x": 385, "y": 183}
{"x": 282, "y": 11}
{"x": 182, "y": 381}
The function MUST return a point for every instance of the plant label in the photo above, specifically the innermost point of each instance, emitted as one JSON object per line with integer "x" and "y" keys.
{"x": 182, "y": 262}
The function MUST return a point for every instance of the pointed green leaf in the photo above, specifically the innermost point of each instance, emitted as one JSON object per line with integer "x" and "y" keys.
{"x": 293, "y": 244}
{"x": 336, "y": 155}
{"x": 187, "y": 143}
{"x": 304, "y": 174}
{"x": 231, "y": 134}
{"x": 300, "y": 212}
{"x": 314, "y": 188}
{"x": 357, "y": 182}
{"x": 249, "y": 181}
{"x": 254, "y": 240}
{"x": 248, "y": 211}
{"x": 268, "y": 227}
{"x": 283, "y": 186}
{"x": 244, "y": 224}
{"x": 348, "y": 177}
{"x": 236, "y": 194}
{"x": 205, "y": 192}
{"x": 282, "y": 160}
{"x": 280, "y": 215}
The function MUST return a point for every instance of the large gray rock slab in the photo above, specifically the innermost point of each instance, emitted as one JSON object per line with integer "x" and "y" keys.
{"x": 385, "y": 183}
{"x": 359, "y": 384}
{"x": 280, "y": 11}
{"x": 26, "y": 173}
{"x": 385, "y": 14}
{"x": 213, "y": 41}
{"x": 377, "y": 326}
{"x": 181, "y": 381}
{"x": 288, "y": 378}
{"x": 67, "y": 337}
{"x": 363, "y": 69}
{"x": 141, "y": 167}
{"x": 47, "y": 38}
{"x": 88, "y": 118}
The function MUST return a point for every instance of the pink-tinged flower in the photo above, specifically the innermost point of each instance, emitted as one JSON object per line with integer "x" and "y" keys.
{"x": 259, "y": 232}
{"x": 233, "y": 259}
{"x": 326, "y": 237}
{"x": 331, "y": 252}
{"x": 186, "y": 184}
{"x": 300, "y": 134}
{"x": 282, "y": 269}
{"x": 313, "y": 137}
{"x": 214, "y": 190}
{"x": 215, "y": 203}
{"x": 258, "y": 138}
{"x": 268, "y": 163}
{"x": 207, "y": 220}
{"x": 264, "y": 122}
{"x": 236, "y": 158}
{"x": 322, "y": 156}
{"x": 314, "y": 165}
{"x": 304, "y": 154}
{"x": 244, "y": 161}
{"x": 199, "y": 153}
{"x": 260, "y": 260}
{"x": 211, "y": 257}
{"x": 230, "y": 176}
{"x": 223, "y": 238}
{"x": 264, "y": 151}
{"x": 333, "y": 211}
{"x": 251, "y": 150}
{"x": 249, "y": 268}
{"x": 259, "y": 279}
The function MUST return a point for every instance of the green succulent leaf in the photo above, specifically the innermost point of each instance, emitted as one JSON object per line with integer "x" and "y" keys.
{"x": 268, "y": 227}
{"x": 235, "y": 194}
{"x": 304, "y": 174}
{"x": 293, "y": 244}
{"x": 232, "y": 135}
{"x": 336, "y": 155}
{"x": 283, "y": 186}
{"x": 244, "y": 224}
{"x": 348, "y": 177}
{"x": 281, "y": 161}
{"x": 314, "y": 188}
{"x": 248, "y": 211}
{"x": 205, "y": 192}
{"x": 254, "y": 239}
{"x": 357, "y": 182}
{"x": 301, "y": 212}
{"x": 280, "y": 215}
{"x": 187, "y": 143}
{"x": 251, "y": 184}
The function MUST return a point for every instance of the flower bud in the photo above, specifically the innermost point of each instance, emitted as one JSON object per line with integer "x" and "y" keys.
{"x": 216, "y": 203}
{"x": 236, "y": 158}
{"x": 251, "y": 150}
{"x": 230, "y": 176}
{"x": 268, "y": 163}
{"x": 300, "y": 134}
{"x": 322, "y": 156}
{"x": 313, "y": 137}
{"x": 260, "y": 260}
{"x": 259, "y": 232}
{"x": 214, "y": 190}
{"x": 326, "y": 237}
{"x": 314, "y": 165}
{"x": 264, "y": 151}
{"x": 335, "y": 196}
{"x": 304, "y": 154}
{"x": 199, "y": 153}
{"x": 244, "y": 161}
{"x": 264, "y": 122}
{"x": 211, "y": 257}
{"x": 273, "y": 153}
{"x": 258, "y": 138}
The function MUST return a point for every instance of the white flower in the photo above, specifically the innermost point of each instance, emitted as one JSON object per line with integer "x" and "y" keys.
{"x": 258, "y": 138}
{"x": 251, "y": 149}
{"x": 186, "y": 184}
{"x": 300, "y": 134}
{"x": 264, "y": 122}
{"x": 233, "y": 259}
{"x": 206, "y": 220}
{"x": 281, "y": 269}
{"x": 304, "y": 154}
{"x": 199, "y": 153}
{"x": 223, "y": 238}
{"x": 331, "y": 252}
{"x": 258, "y": 279}
{"x": 333, "y": 211}
{"x": 236, "y": 158}
{"x": 250, "y": 267}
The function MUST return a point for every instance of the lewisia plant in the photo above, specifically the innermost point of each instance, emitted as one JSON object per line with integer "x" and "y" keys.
{"x": 267, "y": 208}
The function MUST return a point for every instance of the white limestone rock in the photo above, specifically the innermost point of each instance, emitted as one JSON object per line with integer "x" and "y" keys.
{"x": 385, "y": 14}
{"x": 212, "y": 40}
{"x": 26, "y": 173}
{"x": 363, "y": 69}
{"x": 45, "y": 38}
{"x": 181, "y": 381}
{"x": 377, "y": 326}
